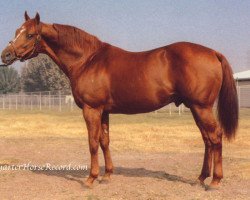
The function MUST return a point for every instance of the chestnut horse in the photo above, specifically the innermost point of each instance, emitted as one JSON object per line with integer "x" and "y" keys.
{"x": 106, "y": 79}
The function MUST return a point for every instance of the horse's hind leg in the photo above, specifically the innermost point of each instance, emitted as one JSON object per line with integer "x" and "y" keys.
{"x": 207, "y": 162}
{"x": 104, "y": 141}
{"x": 212, "y": 136}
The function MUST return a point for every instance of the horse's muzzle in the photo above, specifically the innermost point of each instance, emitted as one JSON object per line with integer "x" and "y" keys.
{"x": 8, "y": 56}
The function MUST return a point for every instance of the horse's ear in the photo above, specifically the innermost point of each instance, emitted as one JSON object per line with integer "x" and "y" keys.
{"x": 37, "y": 18}
{"x": 26, "y": 16}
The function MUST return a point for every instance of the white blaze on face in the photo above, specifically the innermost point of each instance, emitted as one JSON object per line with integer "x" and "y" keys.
{"x": 19, "y": 34}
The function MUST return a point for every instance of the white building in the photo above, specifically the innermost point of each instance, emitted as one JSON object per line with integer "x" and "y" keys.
{"x": 243, "y": 87}
{"x": 242, "y": 78}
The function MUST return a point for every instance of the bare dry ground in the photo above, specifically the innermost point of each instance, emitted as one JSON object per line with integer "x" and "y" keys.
{"x": 155, "y": 156}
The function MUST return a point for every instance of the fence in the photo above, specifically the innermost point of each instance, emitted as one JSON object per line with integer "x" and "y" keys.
{"x": 64, "y": 101}
{"x": 52, "y": 100}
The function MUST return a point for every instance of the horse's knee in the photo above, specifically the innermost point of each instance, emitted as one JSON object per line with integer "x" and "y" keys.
{"x": 104, "y": 142}
{"x": 93, "y": 146}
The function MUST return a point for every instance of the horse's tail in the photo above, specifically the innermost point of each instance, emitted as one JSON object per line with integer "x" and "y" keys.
{"x": 228, "y": 109}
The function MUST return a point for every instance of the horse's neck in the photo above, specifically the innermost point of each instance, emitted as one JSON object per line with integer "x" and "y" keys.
{"x": 69, "y": 57}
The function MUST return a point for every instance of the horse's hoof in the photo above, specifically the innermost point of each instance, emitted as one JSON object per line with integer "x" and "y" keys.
{"x": 88, "y": 185}
{"x": 211, "y": 187}
{"x": 105, "y": 180}
{"x": 199, "y": 182}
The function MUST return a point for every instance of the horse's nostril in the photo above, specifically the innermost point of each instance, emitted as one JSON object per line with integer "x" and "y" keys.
{"x": 7, "y": 55}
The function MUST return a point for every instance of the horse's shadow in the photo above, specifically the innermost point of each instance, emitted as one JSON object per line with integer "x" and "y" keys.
{"x": 78, "y": 175}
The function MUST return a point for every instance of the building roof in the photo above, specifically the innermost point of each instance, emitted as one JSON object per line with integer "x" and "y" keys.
{"x": 245, "y": 75}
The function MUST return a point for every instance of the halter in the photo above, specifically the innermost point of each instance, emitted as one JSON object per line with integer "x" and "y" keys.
{"x": 21, "y": 56}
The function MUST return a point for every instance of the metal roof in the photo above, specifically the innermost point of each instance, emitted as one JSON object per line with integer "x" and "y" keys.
{"x": 245, "y": 75}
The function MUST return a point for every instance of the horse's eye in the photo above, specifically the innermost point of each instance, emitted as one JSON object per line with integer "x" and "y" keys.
{"x": 29, "y": 36}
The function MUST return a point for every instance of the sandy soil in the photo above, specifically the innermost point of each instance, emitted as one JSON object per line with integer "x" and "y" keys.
{"x": 137, "y": 175}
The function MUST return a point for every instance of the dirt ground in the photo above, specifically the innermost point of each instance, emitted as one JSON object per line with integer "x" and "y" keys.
{"x": 139, "y": 174}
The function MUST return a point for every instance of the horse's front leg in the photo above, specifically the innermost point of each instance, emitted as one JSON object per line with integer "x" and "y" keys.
{"x": 92, "y": 117}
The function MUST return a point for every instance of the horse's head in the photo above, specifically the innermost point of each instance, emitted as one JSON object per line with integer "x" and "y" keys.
{"x": 26, "y": 43}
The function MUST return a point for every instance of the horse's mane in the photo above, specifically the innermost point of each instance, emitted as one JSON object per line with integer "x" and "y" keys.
{"x": 69, "y": 35}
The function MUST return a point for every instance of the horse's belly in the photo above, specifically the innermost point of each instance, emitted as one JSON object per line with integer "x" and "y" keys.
{"x": 134, "y": 106}
{"x": 132, "y": 110}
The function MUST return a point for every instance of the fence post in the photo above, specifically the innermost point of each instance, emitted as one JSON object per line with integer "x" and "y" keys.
{"x": 53, "y": 101}
{"x": 16, "y": 101}
{"x": 3, "y": 101}
{"x": 49, "y": 101}
{"x": 60, "y": 102}
{"x": 31, "y": 106}
{"x": 40, "y": 101}
{"x": 24, "y": 103}
{"x": 9, "y": 102}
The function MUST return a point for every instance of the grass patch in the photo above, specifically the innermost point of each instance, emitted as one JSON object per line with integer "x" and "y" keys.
{"x": 157, "y": 132}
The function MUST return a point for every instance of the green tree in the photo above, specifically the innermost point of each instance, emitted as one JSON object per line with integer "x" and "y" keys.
{"x": 9, "y": 80}
{"x": 42, "y": 74}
